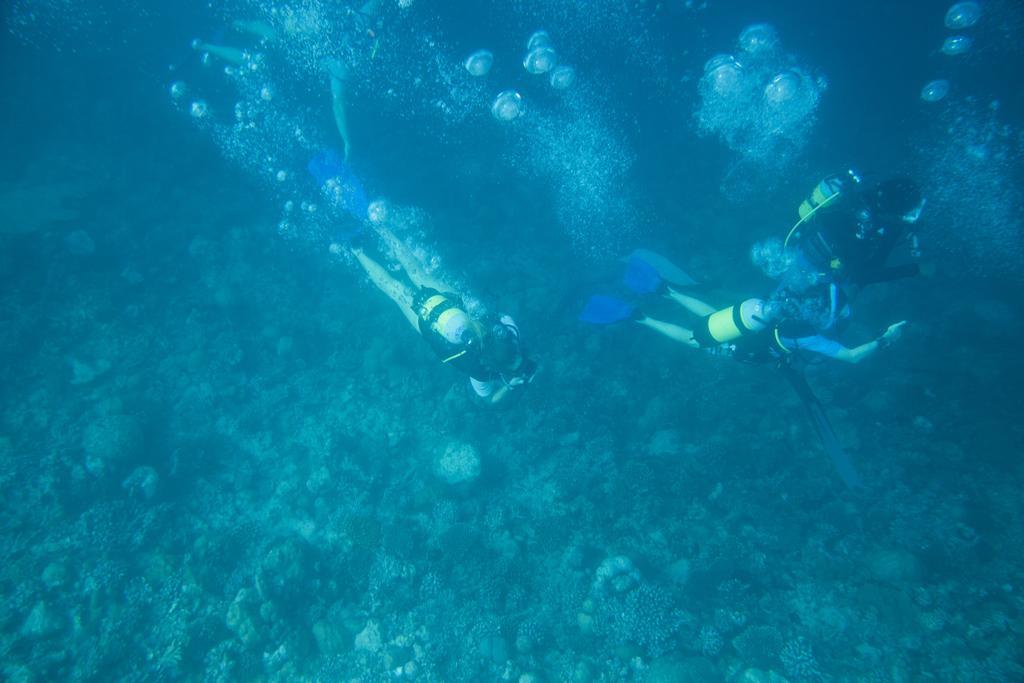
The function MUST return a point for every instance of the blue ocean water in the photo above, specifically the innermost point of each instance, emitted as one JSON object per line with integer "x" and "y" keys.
{"x": 226, "y": 455}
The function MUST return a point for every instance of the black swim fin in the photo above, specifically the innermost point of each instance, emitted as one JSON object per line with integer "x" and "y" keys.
{"x": 829, "y": 439}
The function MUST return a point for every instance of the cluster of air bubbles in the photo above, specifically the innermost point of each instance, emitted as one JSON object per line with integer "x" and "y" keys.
{"x": 335, "y": 189}
{"x": 723, "y": 74}
{"x": 935, "y": 90}
{"x": 260, "y": 137}
{"x": 956, "y": 45}
{"x": 758, "y": 39}
{"x": 962, "y": 15}
{"x": 780, "y": 263}
{"x": 783, "y": 88}
{"x": 377, "y": 212}
{"x": 244, "y": 113}
{"x": 772, "y": 257}
{"x": 479, "y": 63}
{"x": 582, "y": 157}
{"x": 967, "y": 158}
{"x": 540, "y": 59}
{"x": 759, "y": 101}
{"x": 540, "y": 56}
{"x": 508, "y": 106}
{"x": 562, "y": 77}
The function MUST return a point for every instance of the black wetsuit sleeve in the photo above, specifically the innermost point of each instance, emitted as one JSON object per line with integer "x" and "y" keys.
{"x": 527, "y": 370}
{"x": 890, "y": 273}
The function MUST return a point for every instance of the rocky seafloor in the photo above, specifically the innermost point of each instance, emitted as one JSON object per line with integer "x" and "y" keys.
{"x": 225, "y": 458}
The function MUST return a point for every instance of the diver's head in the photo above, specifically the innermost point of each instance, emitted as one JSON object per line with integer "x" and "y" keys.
{"x": 500, "y": 348}
{"x": 898, "y": 198}
{"x": 471, "y": 337}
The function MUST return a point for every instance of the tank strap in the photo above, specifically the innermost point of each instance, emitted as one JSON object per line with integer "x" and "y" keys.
{"x": 809, "y": 215}
{"x": 702, "y": 335}
{"x": 433, "y": 306}
{"x": 737, "y": 319}
{"x": 777, "y": 338}
{"x": 434, "y": 311}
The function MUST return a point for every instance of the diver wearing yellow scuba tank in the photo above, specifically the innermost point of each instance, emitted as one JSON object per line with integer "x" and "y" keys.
{"x": 847, "y": 231}
{"x": 491, "y": 354}
{"x": 824, "y": 193}
{"x": 729, "y": 324}
{"x": 716, "y": 327}
{"x": 440, "y": 316}
{"x": 756, "y": 330}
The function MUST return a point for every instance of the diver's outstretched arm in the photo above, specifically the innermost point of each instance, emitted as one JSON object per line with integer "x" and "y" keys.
{"x": 383, "y": 281}
{"x": 859, "y": 353}
{"x": 499, "y": 394}
{"x": 412, "y": 266}
{"x": 692, "y": 304}
{"x": 674, "y": 332}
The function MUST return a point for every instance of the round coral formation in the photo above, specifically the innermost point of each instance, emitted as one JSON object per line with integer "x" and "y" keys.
{"x": 458, "y": 464}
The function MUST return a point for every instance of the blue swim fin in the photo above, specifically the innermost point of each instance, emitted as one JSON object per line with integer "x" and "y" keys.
{"x": 666, "y": 270}
{"x": 605, "y": 310}
{"x": 641, "y": 277}
{"x": 328, "y": 164}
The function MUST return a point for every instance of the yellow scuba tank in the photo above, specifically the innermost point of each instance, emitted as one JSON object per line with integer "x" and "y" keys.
{"x": 441, "y": 315}
{"x": 824, "y": 193}
{"x": 729, "y": 324}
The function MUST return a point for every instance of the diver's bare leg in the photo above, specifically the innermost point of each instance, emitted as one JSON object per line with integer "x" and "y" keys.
{"x": 338, "y": 73}
{"x": 412, "y": 266}
{"x": 693, "y": 305}
{"x": 674, "y": 332}
{"x": 394, "y": 289}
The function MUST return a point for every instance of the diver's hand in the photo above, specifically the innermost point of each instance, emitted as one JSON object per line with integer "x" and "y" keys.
{"x": 893, "y": 332}
{"x": 516, "y": 382}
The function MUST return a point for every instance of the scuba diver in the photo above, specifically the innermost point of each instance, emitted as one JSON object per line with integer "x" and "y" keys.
{"x": 246, "y": 30}
{"x": 367, "y": 23}
{"x": 847, "y": 231}
{"x": 787, "y": 330}
{"x": 756, "y": 330}
{"x": 791, "y": 321}
{"x": 490, "y": 352}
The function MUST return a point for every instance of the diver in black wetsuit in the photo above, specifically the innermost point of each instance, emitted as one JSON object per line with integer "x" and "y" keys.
{"x": 848, "y": 232}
